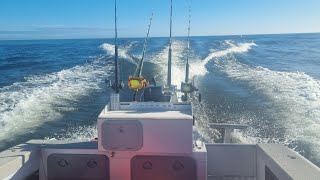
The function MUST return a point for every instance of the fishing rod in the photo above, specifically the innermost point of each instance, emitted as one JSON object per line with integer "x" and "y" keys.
{"x": 137, "y": 81}
{"x": 188, "y": 52}
{"x": 116, "y": 86}
{"x": 170, "y": 48}
{"x": 140, "y": 66}
{"x": 187, "y": 87}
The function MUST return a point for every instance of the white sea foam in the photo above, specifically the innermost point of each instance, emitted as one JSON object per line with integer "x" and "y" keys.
{"x": 41, "y": 99}
{"x": 44, "y": 98}
{"x": 24, "y": 106}
{"x": 178, "y": 49}
{"x": 295, "y": 99}
{"x": 233, "y": 49}
{"x": 79, "y": 133}
{"x": 122, "y": 51}
{"x": 197, "y": 66}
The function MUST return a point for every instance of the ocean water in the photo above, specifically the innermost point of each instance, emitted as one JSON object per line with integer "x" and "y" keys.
{"x": 55, "y": 89}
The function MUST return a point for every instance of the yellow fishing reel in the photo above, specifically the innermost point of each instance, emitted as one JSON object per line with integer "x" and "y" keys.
{"x": 137, "y": 83}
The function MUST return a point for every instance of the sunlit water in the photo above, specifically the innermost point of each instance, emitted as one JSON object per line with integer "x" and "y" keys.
{"x": 55, "y": 89}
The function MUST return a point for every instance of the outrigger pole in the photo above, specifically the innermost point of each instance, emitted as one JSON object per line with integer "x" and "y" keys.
{"x": 170, "y": 50}
{"x": 116, "y": 86}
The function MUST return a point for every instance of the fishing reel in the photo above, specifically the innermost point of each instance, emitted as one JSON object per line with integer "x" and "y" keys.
{"x": 188, "y": 88}
{"x": 113, "y": 85}
{"x": 137, "y": 83}
{"x": 120, "y": 85}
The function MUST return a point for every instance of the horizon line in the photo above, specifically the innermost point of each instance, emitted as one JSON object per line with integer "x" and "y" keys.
{"x": 138, "y": 37}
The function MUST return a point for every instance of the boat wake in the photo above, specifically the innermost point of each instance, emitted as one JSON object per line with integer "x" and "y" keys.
{"x": 293, "y": 99}
{"x": 45, "y": 98}
{"x": 123, "y": 52}
{"x": 179, "y": 48}
{"x": 41, "y": 99}
{"x": 233, "y": 49}
{"x": 79, "y": 133}
{"x": 198, "y": 69}
{"x": 290, "y": 99}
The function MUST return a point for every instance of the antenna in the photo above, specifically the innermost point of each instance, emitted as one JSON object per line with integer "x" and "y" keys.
{"x": 170, "y": 50}
{"x": 116, "y": 82}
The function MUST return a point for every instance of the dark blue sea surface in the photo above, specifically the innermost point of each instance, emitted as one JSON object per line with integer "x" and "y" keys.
{"x": 56, "y": 88}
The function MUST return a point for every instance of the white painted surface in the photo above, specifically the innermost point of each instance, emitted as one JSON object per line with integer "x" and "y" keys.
{"x": 163, "y": 131}
{"x": 231, "y": 160}
{"x": 224, "y": 161}
{"x": 200, "y": 156}
{"x": 21, "y": 160}
{"x": 156, "y": 106}
{"x": 115, "y": 101}
{"x": 284, "y": 163}
{"x": 120, "y": 163}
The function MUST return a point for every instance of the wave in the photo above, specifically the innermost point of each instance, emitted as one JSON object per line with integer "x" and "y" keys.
{"x": 297, "y": 92}
{"x": 79, "y": 133}
{"x": 233, "y": 49}
{"x": 293, "y": 100}
{"x": 122, "y": 52}
{"x": 45, "y": 98}
{"x": 179, "y": 47}
{"x": 197, "y": 66}
{"x": 161, "y": 58}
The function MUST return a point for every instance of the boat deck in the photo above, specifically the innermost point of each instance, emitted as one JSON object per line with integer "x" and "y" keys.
{"x": 224, "y": 161}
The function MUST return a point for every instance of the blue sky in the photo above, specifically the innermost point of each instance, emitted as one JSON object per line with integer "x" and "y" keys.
{"x": 50, "y": 19}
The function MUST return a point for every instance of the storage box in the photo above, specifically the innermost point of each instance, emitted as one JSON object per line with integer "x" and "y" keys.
{"x": 143, "y": 131}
